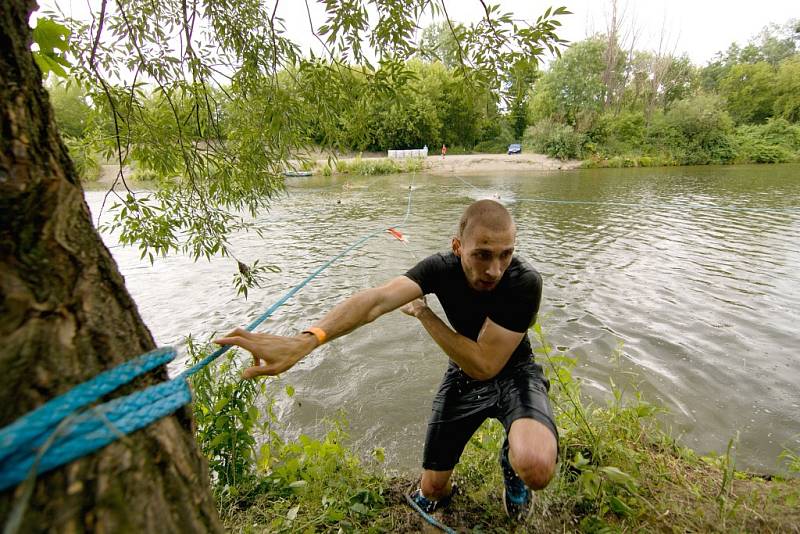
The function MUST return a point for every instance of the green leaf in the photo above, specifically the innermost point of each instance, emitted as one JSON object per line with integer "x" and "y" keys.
{"x": 619, "y": 507}
{"x": 48, "y": 64}
{"x": 334, "y": 515}
{"x": 50, "y": 36}
{"x": 289, "y": 390}
{"x": 618, "y": 476}
{"x": 298, "y": 485}
{"x": 359, "y": 508}
{"x": 252, "y": 412}
{"x": 218, "y": 439}
{"x": 579, "y": 461}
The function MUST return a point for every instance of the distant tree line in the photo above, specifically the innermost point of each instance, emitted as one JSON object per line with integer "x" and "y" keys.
{"x": 622, "y": 107}
{"x": 600, "y": 101}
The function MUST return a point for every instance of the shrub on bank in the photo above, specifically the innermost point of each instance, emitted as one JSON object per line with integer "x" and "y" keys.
{"x": 556, "y": 140}
{"x": 619, "y": 470}
{"x": 493, "y": 146}
{"x": 777, "y": 141}
{"x": 695, "y": 131}
{"x": 370, "y": 166}
{"x": 86, "y": 162}
{"x": 141, "y": 174}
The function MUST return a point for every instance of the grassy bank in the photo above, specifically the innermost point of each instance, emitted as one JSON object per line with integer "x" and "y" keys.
{"x": 694, "y": 133}
{"x": 373, "y": 166}
{"x": 619, "y": 470}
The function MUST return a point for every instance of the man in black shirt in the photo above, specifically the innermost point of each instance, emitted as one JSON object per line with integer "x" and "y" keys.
{"x": 490, "y": 298}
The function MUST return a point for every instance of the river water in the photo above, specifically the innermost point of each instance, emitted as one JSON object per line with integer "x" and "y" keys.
{"x": 684, "y": 282}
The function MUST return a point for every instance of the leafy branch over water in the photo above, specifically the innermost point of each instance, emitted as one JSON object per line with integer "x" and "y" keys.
{"x": 216, "y": 99}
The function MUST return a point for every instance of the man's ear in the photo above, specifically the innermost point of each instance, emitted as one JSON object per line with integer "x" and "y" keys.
{"x": 456, "y": 244}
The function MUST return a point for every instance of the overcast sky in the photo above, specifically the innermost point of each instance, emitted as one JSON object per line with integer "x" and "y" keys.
{"x": 700, "y": 28}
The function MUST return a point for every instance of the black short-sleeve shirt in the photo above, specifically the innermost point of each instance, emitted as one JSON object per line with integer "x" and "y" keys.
{"x": 512, "y": 304}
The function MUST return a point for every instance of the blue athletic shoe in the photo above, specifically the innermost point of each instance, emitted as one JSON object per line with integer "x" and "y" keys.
{"x": 516, "y": 496}
{"x": 427, "y": 505}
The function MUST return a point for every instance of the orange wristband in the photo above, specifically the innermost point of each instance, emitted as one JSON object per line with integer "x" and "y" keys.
{"x": 318, "y": 333}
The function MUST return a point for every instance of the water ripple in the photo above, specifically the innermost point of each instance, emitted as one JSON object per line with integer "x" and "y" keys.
{"x": 700, "y": 304}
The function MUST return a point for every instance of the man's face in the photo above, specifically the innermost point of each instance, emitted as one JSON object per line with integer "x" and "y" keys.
{"x": 485, "y": 255}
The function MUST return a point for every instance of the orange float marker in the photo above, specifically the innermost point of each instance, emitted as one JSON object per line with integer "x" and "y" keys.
{"x": 397, "y": 234}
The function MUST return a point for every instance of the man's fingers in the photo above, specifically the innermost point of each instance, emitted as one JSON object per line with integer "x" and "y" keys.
{"x": 239, "y": 332}
{"x": 258, "y": 370}
{"x": 238, "y": 341}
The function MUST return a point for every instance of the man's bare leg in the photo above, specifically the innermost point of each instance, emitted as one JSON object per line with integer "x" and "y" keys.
{"x": 436, "y": 485}
{"x": 532, "y": 452}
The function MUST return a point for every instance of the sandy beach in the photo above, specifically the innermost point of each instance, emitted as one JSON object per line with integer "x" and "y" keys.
{"x": 482, "y": 163}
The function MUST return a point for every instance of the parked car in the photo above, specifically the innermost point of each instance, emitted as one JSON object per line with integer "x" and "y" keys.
{"x": 514, "y": 149}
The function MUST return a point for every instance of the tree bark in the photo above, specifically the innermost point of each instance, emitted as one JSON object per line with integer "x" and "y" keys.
{"x": 65, "y": 316}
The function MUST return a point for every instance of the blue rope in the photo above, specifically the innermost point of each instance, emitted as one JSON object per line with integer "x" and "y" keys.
{"x": 427, "y": 517}
{"x": 66, "y": 428}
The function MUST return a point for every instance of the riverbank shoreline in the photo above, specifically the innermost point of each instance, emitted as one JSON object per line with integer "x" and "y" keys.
{"x": 465, "y": 164}
{"x": 482, "y": 163}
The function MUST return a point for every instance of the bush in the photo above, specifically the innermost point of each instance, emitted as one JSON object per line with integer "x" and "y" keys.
{"x": 227, "y": 419}
{"x": 86, "y": 162}
{"x": 501, "y": 137}
{"x": 72, "y": 113}
{"x": 695, "y": 131}
{"x": 782, "y": 132}
{"x": 777, "y": 141}
{"x": 556, "y": 140}
{"x": 373, "y": 166}
{"x": 493, "y": 146}
{"x": 281, "y": 483}
{"x": 627, "y": 128}
{"x": 141, "y": 174}
{"x": 761, "y": 152}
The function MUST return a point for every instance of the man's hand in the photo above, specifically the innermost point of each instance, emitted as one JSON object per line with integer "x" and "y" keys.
{"x": 272, "y": 354}
{"x": 416, "y": 307}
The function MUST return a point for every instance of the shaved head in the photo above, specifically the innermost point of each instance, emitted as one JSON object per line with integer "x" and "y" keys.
{"x": 486, "y": 213}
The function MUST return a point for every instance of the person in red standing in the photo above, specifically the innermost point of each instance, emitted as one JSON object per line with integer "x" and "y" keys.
{"x": 444, "y": 150}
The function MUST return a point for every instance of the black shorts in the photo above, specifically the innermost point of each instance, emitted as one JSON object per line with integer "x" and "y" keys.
{"x": 463, "y": 403}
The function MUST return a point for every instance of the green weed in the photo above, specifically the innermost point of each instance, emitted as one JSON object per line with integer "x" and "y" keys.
{"x": 618, "y": 470}
{"x": 370, "y": 167}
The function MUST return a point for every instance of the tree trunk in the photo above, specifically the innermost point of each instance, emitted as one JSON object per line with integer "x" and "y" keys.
{"x": 65, "y": 316}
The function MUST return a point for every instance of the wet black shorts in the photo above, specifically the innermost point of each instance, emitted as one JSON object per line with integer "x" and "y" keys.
{"x": 462, "y": 404}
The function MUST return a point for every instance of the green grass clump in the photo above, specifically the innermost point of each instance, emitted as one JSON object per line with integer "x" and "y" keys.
{"x": 370, "y": 166}
{"x": 618, "y": 471}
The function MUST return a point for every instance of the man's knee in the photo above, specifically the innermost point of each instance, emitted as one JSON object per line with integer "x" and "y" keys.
{"x": 535, "y": 468}
{"x": 533, "y": 452}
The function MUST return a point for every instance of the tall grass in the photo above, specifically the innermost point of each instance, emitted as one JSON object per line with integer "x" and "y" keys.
{"x": 618, "y": 471}
{"x": 370, "y": 166}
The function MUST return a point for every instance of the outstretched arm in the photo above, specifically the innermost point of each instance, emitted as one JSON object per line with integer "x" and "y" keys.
{"x": 481, "y": 359}
{"x": 274, "y": 354}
